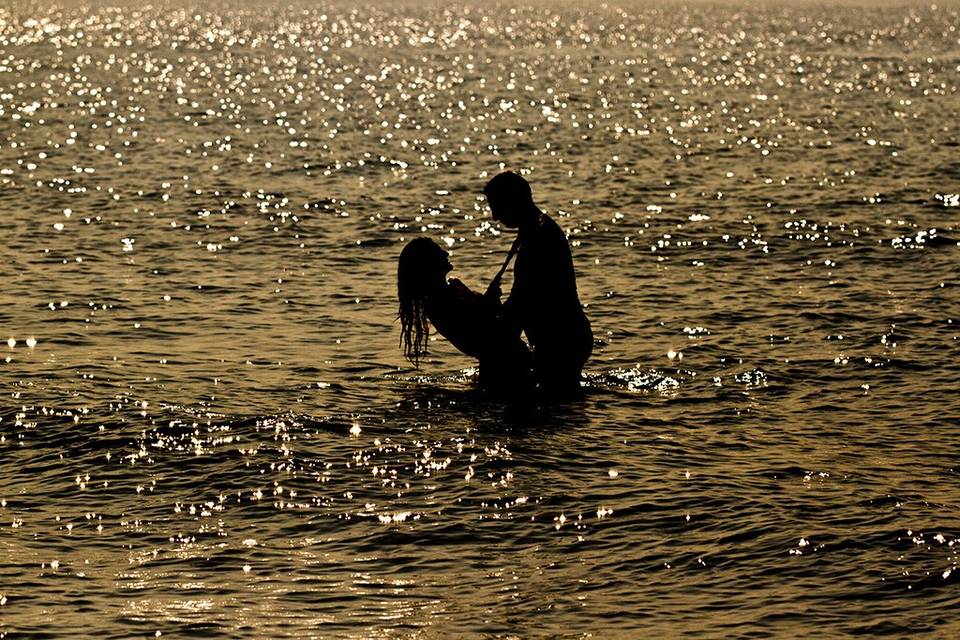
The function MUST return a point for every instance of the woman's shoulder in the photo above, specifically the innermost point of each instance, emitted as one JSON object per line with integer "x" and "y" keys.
{"x": 457, "y": 284}
{"x": 455, "y": 292}
{"x": 460, "y": 290}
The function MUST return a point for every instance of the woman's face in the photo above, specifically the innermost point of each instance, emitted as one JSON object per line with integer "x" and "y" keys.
{"x": 443, "y": 260}
{"x": 437, "y": 261}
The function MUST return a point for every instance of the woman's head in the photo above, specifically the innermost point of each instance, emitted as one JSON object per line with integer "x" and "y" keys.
{"x": 422, "y": 268}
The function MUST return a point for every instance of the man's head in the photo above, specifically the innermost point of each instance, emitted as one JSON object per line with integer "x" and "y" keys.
{"x": 510, "y": 198}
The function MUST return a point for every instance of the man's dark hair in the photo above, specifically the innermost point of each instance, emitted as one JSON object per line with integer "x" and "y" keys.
{"x": 510, "y": 186}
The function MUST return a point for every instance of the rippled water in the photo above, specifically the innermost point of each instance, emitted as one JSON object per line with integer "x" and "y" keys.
{"x": 208, "y": 427}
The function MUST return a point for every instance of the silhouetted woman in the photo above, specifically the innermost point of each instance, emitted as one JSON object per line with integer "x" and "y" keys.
{"x": 464, "y": 317}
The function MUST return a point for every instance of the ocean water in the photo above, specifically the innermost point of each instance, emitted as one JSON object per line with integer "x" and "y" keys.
{"x": 207, "y": 427}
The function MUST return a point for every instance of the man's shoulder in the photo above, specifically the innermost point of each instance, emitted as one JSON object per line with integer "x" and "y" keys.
{"x": 547, "y": 226}
{"x": 546, "y": 241}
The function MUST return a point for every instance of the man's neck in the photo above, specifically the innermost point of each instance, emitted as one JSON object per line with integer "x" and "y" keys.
{"x": 530, "y": 219}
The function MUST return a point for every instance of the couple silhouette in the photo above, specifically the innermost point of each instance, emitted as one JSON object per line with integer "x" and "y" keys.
{"x": 543, "y": 303}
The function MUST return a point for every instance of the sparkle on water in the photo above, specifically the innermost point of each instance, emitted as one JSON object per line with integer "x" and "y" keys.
{"x": 208, "y": 426}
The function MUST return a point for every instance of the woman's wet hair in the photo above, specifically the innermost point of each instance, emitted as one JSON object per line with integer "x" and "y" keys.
{"x": 416, "y": 266}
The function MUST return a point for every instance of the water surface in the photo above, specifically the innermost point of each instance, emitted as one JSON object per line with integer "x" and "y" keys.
{"x": 207, "y": 425}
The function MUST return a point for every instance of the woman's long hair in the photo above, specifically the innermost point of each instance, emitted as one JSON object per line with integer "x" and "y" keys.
{"x": 412, "y": 274}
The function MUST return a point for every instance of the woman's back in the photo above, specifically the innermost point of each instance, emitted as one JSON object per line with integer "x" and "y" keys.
{"x": 471, "y": 324}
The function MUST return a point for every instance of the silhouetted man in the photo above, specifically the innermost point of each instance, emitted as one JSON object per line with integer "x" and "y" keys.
{"x": 543, "y": 302}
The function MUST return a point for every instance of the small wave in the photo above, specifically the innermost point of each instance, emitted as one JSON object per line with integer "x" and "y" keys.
{"x": 634, "y": 380}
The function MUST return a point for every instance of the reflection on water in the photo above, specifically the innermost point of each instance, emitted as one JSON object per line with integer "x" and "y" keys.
{"x": 208, "y": 425}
